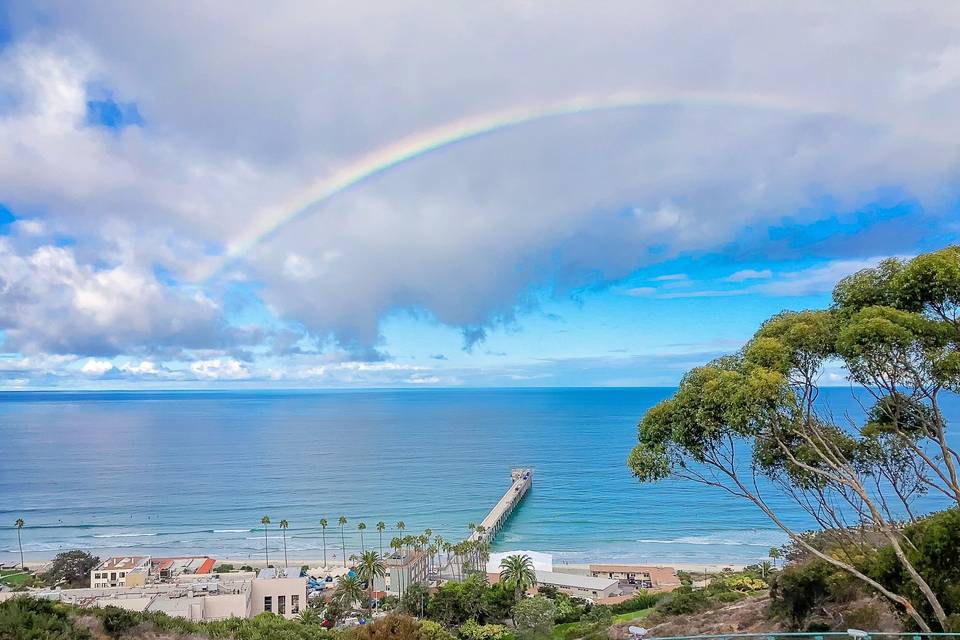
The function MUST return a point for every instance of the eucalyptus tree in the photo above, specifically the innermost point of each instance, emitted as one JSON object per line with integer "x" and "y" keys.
{"x": 283, "y": 528}
{"x": 265, "y": 520}
{"x": 517, "y": 573}
{"x": 753, "y": 415}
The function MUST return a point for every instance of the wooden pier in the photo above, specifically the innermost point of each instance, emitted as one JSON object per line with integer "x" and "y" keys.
{"x": 522, "y": 480}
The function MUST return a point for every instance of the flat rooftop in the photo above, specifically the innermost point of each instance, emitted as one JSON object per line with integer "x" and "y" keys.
{"x": 575, "y": 581}
{"x": 121, "y": 563}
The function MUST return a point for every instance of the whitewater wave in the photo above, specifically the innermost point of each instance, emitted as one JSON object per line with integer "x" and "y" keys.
{"x": 704, "y": 541}
{"x": 230, "y": 530}
{"x": 124, "y": 535}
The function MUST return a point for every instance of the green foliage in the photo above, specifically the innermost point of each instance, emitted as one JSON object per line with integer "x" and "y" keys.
{"x": 456, "y": 602}
{"x": 683, "y": 602}
{"x": 430, "y": 630}
{"x": 934, "y": 550}
{"x": 642, "y": 600}
{"x": 71, "y": 568}
{"x": 415, "y": 600}
{"x": 517, "y": 572}
{"x": 24, "y": 618}
{"x": 117, "y": 621}
{"x": 801, "y": 589}
{"x": 599, "y": 615}
{"x": 472, "y": 630}
{"x": 225, "y": 567}
{"x": 498, "y": 602}
{"x": 534, "y": 617}
{"x": 391, "y": 627}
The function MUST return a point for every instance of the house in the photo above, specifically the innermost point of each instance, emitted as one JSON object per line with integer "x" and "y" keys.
{"x": 586, "y": 587}
{"x": 641, "y": 576}
{"x": 119, "y": 571}
{"x": 279, "y": 591}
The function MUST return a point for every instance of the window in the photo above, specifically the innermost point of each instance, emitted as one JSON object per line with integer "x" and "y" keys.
{"x": 113, "y": 575}
{"x": 295, "y": 603}
{"x": 268, "y": 603}
{"x": 281, "y": 604}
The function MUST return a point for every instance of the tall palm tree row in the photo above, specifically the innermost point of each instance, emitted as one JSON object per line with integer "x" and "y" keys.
{"x": 283, "y": 528}
{"x": 517, "y": 572}
{"x": 323, "y": 533}
{"x": 397, "y": 545}
{"x": 371, "y": 567}
{"x": 361, "y": 528}
{"x": 342, "y": 521}
{"x": 265, "y": 520}
{"x": 19, "y": 525}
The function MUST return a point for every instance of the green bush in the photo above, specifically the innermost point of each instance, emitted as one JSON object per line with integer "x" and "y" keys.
{"x": 684, "y": 603}
{"x": 535, "y": 616}
{"x": 24, "y": 618}
{"x": 430, "y": 630}
{"x": 471, "y": 630}
{"x": 224, "y": 568}
{"x": 642, "y": 600}
{"x": 116, "y": 620}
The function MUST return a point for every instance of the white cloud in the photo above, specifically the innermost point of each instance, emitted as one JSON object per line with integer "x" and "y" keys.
{"x": 671, "y": 277}
{"x": 220, "y": 369}
{"x": 462, "y": 233}
{"x": 96, "y": 367}
{"x": 749, "y": 274}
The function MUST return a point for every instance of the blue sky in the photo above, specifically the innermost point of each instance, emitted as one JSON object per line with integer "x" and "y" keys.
{"x": 606, "y": 247}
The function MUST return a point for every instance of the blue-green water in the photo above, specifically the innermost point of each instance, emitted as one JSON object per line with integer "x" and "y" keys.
{"x": 194, "y": 472}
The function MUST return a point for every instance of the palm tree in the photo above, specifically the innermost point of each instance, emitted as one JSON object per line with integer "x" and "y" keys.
{"x": 400, "y": 527}
{"x": 765, "y": 568}
{"x": 397, "y": 544}
{"x": 265, "y": 520}
{"x": 517, "y": 571}
{"x": 348, "y": 591}
{"x": 342, "y": 521}
{"x": 371, "y": 567}
{"x": 432, "y": 551}
{"x": 380, "y": 527}
{"x": 19, "y": 525}
{"x": 438, "y": 539}
{"x": 774, "y": 554}
{"x": 323, "y": 533}
{"x": 361, "y": 528}
{"x": 283, "y": 528}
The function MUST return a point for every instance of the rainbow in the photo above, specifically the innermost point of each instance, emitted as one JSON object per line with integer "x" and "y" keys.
{"x": 268, "y": 222}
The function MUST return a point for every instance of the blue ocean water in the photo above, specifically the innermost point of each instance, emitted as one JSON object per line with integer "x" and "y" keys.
{"x": 178, "y": 472}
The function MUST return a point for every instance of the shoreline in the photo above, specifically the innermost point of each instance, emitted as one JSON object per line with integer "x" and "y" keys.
{"x": 36, "y": 564}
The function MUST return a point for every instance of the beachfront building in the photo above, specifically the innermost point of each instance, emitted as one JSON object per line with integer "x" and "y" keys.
{"x": 579, "y": 586}
{"x": 641, "y": 576}
{"x": 118, "y": 572}
{"x": 197, "y": 598}
{"x": 279, "y": 591}
{"x": 402, "y": 571}
{"x": 172, "y": 568}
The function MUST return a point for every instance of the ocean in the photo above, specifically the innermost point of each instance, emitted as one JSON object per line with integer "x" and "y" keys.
{"x": 193, "y": 472}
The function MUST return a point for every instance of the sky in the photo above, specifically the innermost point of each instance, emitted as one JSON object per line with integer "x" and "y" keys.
{"x": 420, "y": 194}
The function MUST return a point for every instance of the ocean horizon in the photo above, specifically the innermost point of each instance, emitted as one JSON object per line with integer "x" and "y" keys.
{"x": 177, "y": 472}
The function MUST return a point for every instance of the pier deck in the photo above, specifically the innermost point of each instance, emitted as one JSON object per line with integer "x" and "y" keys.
{"x": 500, "y": 513}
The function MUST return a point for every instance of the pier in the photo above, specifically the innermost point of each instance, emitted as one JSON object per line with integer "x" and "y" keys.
{"x": 522, "y": 480}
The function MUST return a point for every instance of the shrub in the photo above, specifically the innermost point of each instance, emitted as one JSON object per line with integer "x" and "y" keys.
{"x": 223, "y": 568}
{"x": 684, "y": 602}
{"x": 430, "y": 630}
{"x": 642, "y": 600}
{"x": 392, "y": 627}
{"x": 116, "y": 620}
{"x": 471, "y": 630}
{"x": 24, "y": 618}
{"x": 800, "y": 589}
{"x": 535, "y": 616}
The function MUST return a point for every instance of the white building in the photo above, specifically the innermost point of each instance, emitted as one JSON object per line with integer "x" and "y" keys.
{"x": 402, "y": 572}
{"x": 114, "y": 572}
{"x": 279, "y": 591}
{"x": 586, "y": 587}
{"x": 541, "y": 561}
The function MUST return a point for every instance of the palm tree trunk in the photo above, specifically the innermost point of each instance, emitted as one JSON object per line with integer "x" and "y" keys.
{"x": 285, "y": 565}
{"x": 323, "y": 533}
{"x": 20, "y": 544}
{"x": 343, "y": 546}
{"x": 266, "y": 552}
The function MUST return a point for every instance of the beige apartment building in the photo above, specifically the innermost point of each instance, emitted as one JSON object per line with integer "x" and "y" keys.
{"x": 279, "y": 591}
{"x": 579, "y": 586}
{"x": 120, "y": 572}
{"x": 643, "y": 577}
{"x": 402, "y": 572}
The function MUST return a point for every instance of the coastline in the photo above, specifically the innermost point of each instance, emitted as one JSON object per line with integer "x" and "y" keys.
{"x": 35, "y": 564}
